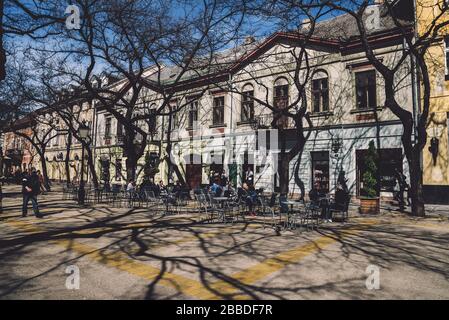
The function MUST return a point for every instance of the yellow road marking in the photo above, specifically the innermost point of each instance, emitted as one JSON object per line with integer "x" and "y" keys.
{"x": 269, "y": 266}
{"x": 188, "y": 286}
{"x": 122, "y": 262}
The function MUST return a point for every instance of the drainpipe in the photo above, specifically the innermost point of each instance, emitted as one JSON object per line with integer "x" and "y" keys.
{"x": 94, "y": 128}
{"x": 416, "y": 91}
{"x": 231, "y": 125}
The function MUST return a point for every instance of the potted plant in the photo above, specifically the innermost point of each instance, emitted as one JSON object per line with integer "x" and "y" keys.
{"x": 369, "y": 200}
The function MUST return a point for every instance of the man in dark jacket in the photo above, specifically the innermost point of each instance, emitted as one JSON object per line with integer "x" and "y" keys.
{"x": 30, "y": 190}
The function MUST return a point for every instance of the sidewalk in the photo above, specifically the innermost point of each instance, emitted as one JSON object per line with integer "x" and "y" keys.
{"x": 388, "y": 209}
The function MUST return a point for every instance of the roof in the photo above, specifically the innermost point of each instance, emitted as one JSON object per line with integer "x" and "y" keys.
{"x": 344, "y": 27}
{"x": 335, "y": 32}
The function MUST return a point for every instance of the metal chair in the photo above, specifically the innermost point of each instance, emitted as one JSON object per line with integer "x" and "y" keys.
{"x": 312, "y": 215}
{"x": 341, "y": 209}
{"x": 204, "y": 208}
{"x": 269, "y": 208}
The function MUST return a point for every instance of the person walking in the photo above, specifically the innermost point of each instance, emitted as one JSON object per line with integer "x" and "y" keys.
{"x": 30, "y": 190}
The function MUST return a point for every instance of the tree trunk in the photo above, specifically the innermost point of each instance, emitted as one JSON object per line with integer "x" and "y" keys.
{"x": 172, "y": 166}
{"x": 131, "y": 167}
{"x": 284, "y": 173}
{"x": 416, "y": 192}
{"x": 284, "y": 163}
{"x": 1, "y": 175}
{"x": 2, "y": 50}
{"x": 91, "y": 164}
{"x": 168, "y": 150}
{"x": 44, "y": 171}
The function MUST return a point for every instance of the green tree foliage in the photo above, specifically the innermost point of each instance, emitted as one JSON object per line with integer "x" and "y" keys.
{"x": 370, "y": 175}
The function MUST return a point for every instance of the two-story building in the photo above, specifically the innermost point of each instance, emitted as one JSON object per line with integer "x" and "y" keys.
{"x": 225, "y": 124}
{"x": 344, "y": 96}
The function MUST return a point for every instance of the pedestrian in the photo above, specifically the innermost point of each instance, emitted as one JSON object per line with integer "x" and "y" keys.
{"x": 251, "y": 199}
{"x": 30, "y": 190}
{"x": 249, "y": 175}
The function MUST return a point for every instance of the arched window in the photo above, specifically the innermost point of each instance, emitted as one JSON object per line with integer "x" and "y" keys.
{"x": 281, "y": 93}
{"x": 281, "y": 88}
{"x": 247, "y": 112}
{"x": 193, "y": 112}
{"x": 320, "y": 91}
{"x": 152, "y": 119}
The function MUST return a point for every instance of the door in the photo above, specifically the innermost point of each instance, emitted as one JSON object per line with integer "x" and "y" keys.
{"x": 320, "y": 171}
{"x": 194, "y": 174}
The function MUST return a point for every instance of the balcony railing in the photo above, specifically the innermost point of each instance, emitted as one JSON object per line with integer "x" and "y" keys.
{"x": 14, "y": 153}
{"x": 264, "y": 121}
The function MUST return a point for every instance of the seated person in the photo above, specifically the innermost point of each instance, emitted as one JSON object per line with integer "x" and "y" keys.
{"x": 251, "y": 199}
{"x": 161, "y": 186}
{"x": 314, "y": 195}
{"x": 216, "y": 189}
{"x": 340, "y": 202}
{"x": 341, "y": 198}
{"x": 131, "y": 186}
{"x": 229, "y": 190}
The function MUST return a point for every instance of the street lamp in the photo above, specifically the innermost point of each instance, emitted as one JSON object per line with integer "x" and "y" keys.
{"x": 83, "y": 133}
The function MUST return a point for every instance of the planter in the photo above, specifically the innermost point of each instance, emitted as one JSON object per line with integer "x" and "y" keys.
{"x": 369, "y": 206}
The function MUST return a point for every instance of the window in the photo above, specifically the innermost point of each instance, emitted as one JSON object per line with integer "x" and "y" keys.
{"x": 56, "y": 141}
{"x": 366, "y": 89}
{"x": 446, "y": 53}
{"x": 119, "y": 132}
{"x": 152, "y": 119}
{"x": 118, "y": 169}
{"x": 193, "y": 113}
{"x": 218, "y": 111}
{"x": 320, "y": 92}
{"x": 107, "y": 128}
{"x": 281, "y": 96}
{"x": 174, "y": 116}
{"x": 247, "y": 113}
{"x": 281, "y": 99}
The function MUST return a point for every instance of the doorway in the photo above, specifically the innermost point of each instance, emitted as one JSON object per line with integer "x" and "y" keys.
{"x": 320, "y": 171}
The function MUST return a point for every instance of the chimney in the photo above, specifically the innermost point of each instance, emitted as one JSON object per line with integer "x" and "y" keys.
{"x": 249, "y": 40}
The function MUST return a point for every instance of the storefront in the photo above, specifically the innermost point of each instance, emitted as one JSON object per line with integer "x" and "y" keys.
{"x": 390, "y": 161}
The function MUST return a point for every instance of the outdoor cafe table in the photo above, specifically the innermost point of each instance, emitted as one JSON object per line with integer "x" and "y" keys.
{"x": 289, "y": 223}
{"x": 222, "y": 200}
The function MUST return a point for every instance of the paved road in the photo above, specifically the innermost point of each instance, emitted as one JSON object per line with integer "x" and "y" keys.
{"x": 137, "y": 254}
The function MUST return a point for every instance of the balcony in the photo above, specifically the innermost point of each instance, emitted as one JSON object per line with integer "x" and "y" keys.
{"x": 264, "y": 122}
{"x": 15, "y": 154}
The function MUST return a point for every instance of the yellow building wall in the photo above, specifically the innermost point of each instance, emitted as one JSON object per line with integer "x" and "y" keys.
{"x": 435, "y": 173}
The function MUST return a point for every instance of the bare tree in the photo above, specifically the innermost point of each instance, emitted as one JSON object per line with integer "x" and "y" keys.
{"x": 151, "y": 52}
{"x": 288, "y": 110}
{"x": 32, "y": 19}
{"x": 43, "y": 131}
{"x": 414, "y": 136}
